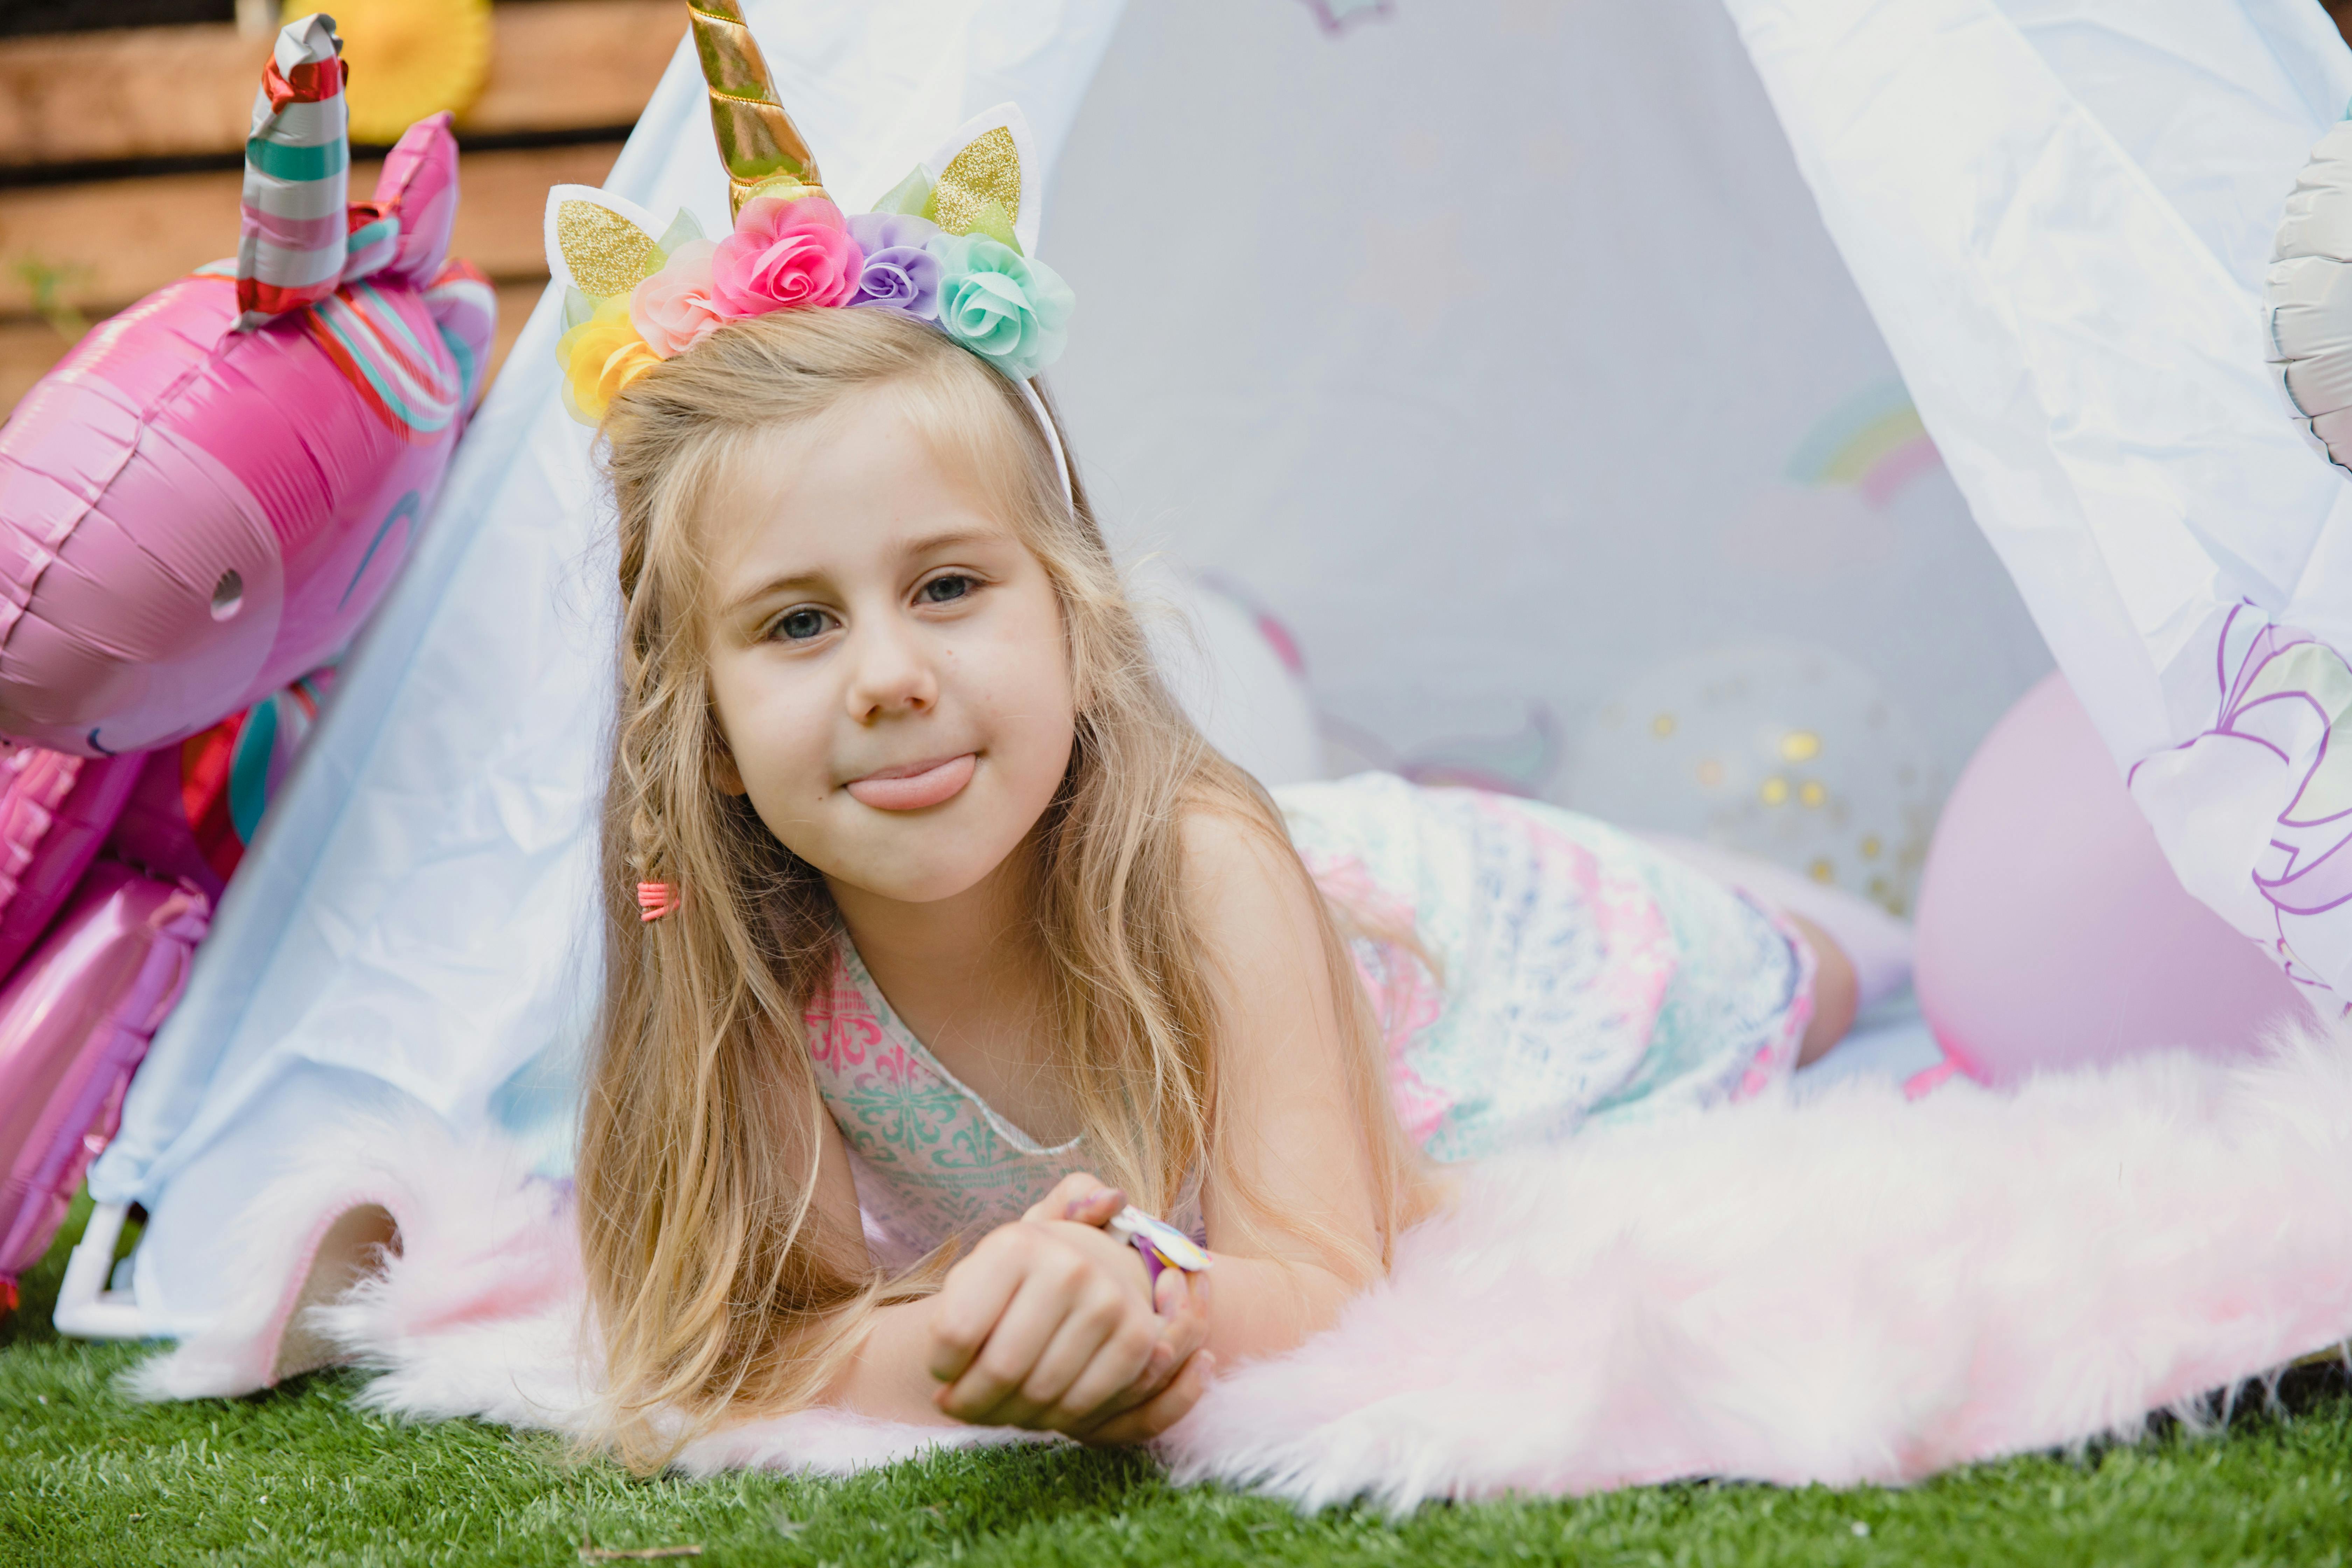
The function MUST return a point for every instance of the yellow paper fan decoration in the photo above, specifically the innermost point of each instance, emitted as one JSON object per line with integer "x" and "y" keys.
{"x": 409, "y": 59}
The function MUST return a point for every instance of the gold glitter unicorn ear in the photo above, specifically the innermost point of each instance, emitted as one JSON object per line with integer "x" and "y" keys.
{"x": 601, "y": 244}
{"x": 983, "y": 180}
{"x": 764, "y": 152}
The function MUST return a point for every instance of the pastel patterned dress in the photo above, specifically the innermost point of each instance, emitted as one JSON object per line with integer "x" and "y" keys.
{"x": 1566, "y": 973}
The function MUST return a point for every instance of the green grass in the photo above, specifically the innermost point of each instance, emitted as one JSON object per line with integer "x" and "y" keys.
{"x": 302, "y": 1475}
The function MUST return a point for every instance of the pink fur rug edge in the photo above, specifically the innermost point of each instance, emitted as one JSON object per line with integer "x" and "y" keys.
{"x": 1851, "y": 1290}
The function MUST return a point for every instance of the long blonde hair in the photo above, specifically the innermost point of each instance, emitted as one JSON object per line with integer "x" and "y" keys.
{"x": 717, "y": 1287}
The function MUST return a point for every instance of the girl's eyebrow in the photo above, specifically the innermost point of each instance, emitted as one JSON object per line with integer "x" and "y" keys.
{"x": 930, "y": 544}
{"x": 952, "y": 539}
{"x": 770, "y": 588}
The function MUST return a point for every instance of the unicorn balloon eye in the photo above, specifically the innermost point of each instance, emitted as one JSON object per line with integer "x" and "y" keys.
{"x": 206, "y": 497}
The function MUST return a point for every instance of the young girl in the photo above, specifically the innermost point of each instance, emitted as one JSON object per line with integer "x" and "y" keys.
{"x": 966, "y": 940}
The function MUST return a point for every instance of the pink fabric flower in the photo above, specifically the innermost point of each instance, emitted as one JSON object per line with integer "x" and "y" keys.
{"x": 783, "y": 254}
{"x": 672, "y": 310}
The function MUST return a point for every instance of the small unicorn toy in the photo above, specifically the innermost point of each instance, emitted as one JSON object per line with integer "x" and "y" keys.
{"x": 202, "y": 500}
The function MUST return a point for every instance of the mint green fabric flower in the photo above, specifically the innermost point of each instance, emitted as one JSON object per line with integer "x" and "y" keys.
{"x": 1010, "y": 310}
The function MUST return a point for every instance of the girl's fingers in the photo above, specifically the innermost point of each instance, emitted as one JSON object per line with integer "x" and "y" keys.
{"x": 1077, "y": 1184}
{"x": 1096, "y": 1207}
{"x": 1181, "y": 1329}
{"x": 1096, "y": 1328}
{"x": 1183, "y": 1301}
{"x": 970, "y": 1305}
{"x": 1079, "y": 1189}
{"x": 1046, "y": 1325}
{"x": 1171, "y": 1405}
{"x": 1085, "y": 1325}
{"x": 1188, "y": 1308}
{"x": 1020, "y": 1335}
{"x": 1118, "y": 1365}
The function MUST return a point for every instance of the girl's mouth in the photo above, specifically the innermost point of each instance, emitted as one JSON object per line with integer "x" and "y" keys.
{"x": 913, "y": 787}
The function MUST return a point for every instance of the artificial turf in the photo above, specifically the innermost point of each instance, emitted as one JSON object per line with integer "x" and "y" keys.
{"x": 302, "y": 1475}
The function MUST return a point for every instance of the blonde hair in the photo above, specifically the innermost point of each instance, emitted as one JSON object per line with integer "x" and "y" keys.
{"x": 715, "y": 1285}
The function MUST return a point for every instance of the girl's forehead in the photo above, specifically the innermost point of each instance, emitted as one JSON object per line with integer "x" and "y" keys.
{"x": 835, "y": 493}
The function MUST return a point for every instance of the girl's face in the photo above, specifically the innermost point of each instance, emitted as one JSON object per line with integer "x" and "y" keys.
{"x": 886, "y": 658}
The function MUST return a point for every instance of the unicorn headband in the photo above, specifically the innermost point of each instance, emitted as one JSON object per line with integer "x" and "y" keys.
{"x": 948, "y": 244}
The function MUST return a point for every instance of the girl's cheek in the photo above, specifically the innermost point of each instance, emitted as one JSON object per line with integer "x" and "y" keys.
{"x": 783, "y": 754}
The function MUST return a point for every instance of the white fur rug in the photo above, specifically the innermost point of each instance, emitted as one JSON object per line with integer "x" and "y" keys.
{"x": 1850, "y": 1290}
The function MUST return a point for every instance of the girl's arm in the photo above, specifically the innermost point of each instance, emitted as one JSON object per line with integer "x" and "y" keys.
{"x": 1289, "y": 1126}
{"x": 882, "y": 1378}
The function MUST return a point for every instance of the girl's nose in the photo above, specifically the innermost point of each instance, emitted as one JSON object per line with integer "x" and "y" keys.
{"x": 891, "y": 671}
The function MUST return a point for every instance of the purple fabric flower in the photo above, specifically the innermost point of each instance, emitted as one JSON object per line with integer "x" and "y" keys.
{"x": 900, "y": 274}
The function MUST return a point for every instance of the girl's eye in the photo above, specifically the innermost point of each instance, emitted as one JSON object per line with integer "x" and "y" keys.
{"x": 939, "y": 590}
{"x": 799, "y": 625}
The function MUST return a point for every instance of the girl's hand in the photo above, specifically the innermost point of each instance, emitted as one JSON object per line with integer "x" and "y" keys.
{"x": 1048, "y": 1324}
{"x": 1176, "y": 1376}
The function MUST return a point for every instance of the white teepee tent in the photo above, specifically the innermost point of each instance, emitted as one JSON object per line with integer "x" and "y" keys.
{"x": 1498, "y": 354}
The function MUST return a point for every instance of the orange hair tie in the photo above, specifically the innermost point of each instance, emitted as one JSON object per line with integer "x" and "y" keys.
{"x": 655, "y": 900}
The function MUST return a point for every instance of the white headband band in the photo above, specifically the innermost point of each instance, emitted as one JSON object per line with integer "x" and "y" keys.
{"x": 1052, "y": 442}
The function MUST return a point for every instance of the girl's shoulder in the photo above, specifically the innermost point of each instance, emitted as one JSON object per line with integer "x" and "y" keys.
{"x": 1230, "y": 849}
{"x": 1248, "y": 895}
{"x": 1366, "y": 844}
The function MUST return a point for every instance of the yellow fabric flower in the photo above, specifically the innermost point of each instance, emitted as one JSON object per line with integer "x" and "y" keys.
{"x": 600, "y": 356}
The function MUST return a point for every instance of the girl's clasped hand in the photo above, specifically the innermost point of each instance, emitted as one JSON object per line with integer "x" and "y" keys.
{"x": 1052, "y": 1323}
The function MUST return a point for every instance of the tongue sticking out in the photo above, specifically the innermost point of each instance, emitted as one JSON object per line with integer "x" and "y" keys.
{"x": 915, "y": 791}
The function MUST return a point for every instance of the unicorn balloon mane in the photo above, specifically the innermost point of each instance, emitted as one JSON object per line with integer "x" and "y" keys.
{"x": 206, "y": 497}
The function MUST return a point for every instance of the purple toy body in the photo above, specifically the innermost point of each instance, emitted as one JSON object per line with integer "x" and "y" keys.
{"x": 193, "y": 516}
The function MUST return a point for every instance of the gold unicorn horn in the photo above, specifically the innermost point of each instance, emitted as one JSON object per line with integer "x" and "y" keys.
{"x": 757, "y": 140}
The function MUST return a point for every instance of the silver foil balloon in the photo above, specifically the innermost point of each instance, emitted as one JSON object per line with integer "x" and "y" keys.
{"x": 2307, "y": 296}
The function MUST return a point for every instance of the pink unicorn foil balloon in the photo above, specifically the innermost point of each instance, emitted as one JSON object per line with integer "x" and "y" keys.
{"x": 206, "y": 497}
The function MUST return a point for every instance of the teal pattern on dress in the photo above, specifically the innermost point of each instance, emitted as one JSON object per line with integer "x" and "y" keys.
{"x": 931, "y": 1159}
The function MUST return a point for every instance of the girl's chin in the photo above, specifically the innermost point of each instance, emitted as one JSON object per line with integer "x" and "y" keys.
{"x": 916, "y": 879}
{"x": 922, "y": 857}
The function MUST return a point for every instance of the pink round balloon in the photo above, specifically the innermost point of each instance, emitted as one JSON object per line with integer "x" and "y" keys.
{"x": 74, "y": 1025}
{"x": 2051, "y": 930}
{"x": 191, "y": 515}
